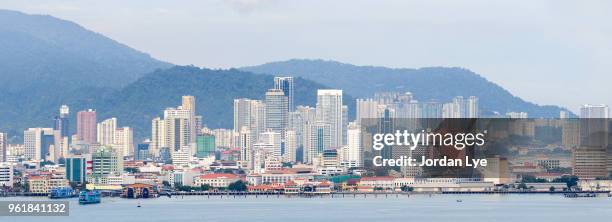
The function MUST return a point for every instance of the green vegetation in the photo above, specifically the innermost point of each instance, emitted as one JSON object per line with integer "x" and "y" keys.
{"x": 237, "y": 186}
{"x": 571, "y": 181}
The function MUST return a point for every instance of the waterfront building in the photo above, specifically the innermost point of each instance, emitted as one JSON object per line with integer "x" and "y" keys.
{"x": 86, "y": 126}
{"x": 217, "y": 180}
{"x": 44, "y": 183}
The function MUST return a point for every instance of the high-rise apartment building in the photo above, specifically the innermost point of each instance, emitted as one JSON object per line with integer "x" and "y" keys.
{"x": 40, "y": 143}
{"x": 329, "y": 111}
{"x": 352, "y": 155}
{"x": 124, "y": 140}
{"x": 106, "y": 131}
{"x": 86, "y": 126}
{"x": 158, "y": 136}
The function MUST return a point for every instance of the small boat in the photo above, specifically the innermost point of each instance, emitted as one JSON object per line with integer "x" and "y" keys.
{"x": 62, "y": 192}
{"x": 89, "y": 197}
{"x": 579, "y": 195}
{"x": 459, "y": 201}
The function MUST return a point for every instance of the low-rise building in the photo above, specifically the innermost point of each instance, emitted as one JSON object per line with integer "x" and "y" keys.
{"x": 6, "y": 175}
{"x": 44, "y": 183}
{"x": 216, "y": 179}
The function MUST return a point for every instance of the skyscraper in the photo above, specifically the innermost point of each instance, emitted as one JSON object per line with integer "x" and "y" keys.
{"x": 285, "y": 84}
{"x": 61, "y": 122}
{"x": 290, "y": 146}
{"x": 86, "y": 126}
{"x": 319, "y": 136}
{"x": 366, "y": 109}
{"x": 352, "y": 157}
{"x": 276, "y": 111}
{"x": 3, "y": 146}
{"x": 329, "y": 111}
{"x": 39, "y": 142}
{"x": 106, "y": 131}
{"x": 472, "y": 107}
{"x": 188, "y": 103}
{"x": 124, "y": 140}
{"x": 158, "y": 136}
{"x": 177, "y": 127}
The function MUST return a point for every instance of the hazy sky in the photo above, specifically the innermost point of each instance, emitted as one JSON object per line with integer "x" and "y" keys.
{"x": 548, "y": 52}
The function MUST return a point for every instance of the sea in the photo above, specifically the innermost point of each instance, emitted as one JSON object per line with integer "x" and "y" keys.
{"x": 417, "y": 207}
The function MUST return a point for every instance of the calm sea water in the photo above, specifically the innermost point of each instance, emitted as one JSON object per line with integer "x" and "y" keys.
{"x": 416, "y": 207}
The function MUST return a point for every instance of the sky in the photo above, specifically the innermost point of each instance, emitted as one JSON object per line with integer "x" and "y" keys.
{"x": 548, "y": 52}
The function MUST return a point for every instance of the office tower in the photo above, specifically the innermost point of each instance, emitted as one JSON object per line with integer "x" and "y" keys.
{"x": 76, "y": 170}
{"x": 106, "y": 161}
{"x": 290, "y": 146}
{"x": 329, "y": 111}
{"x": 319, "y": 139}
{"x": 188, "y": 103}
{"x": 158, "y": 136}
{"x": 177, "y": 127}
{"x": 366, "y": 109}
{"x": 106, "y": 131}
{"x": 352, "y": 157}
{"x": 86, "y": 126}
{"x": 39, "y": 143}
{"x": 285, "y": 84}
{"x": 205, "y": 145}
{"x": 124, "y": 140}
{"x": 273, "y": 140}
{"x": 61, "y": 122}
{"x": 142, "y": 151}
{"x": 276, "y": 111}
{"x": 472, "y": 107}
{"x": 3, "y": 146}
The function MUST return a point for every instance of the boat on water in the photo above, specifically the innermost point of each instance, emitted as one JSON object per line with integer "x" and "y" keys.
{"x": 62, "y": 192}
{"x": 89, "y": 197}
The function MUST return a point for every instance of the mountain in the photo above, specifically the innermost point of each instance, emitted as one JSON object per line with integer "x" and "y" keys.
{"x": 136, "y": 104}
{"x": 426, "y": 84}
{"x": 41, "y": 52}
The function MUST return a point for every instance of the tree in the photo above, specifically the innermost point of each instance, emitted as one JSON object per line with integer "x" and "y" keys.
{"x": 407, "y": 188}
{"x": 551, "y": 189}
{"x": 569, "y": 180}
{"x": 237, "y": 186}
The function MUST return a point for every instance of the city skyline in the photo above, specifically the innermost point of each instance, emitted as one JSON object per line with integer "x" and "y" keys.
{"x": 524, "y": 33}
